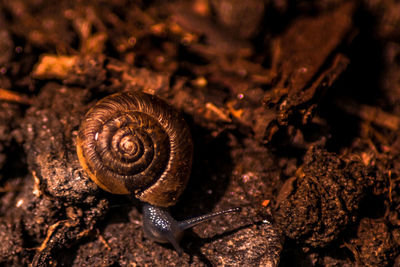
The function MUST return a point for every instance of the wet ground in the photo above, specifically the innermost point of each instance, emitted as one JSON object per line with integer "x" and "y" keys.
{"x": 293, "y": 109}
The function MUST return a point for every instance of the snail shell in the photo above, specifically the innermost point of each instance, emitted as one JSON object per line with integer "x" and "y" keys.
{"x": 135, "y": 143}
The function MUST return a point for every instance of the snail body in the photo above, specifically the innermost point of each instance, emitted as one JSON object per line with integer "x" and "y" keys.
{"x": 135, "y": 143}
{"x": 161, "y": 227}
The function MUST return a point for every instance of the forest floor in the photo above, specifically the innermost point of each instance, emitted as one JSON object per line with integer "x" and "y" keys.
{"x": 293, "y": 107}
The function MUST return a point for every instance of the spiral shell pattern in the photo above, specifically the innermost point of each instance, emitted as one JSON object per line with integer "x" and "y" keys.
{"x": 132, "y": 142}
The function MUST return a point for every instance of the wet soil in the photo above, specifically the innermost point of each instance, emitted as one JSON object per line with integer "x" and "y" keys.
{"x": 293, "y": 107}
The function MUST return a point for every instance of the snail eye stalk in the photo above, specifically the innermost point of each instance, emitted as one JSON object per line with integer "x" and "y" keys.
{"x": 160, "y": 226}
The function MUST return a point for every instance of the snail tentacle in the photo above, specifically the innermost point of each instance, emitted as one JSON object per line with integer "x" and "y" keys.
{"x": 160, "y": 226}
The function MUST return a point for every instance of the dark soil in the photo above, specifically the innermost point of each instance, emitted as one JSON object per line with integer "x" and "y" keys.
{"x": 293, "y": 106}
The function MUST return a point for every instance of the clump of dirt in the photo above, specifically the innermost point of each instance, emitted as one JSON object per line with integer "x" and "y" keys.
{"x": 316, "y": 205}
{"x": 374, "y": 245}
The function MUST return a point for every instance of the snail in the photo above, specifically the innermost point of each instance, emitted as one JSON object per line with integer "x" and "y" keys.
{"x": 135, "y": 143}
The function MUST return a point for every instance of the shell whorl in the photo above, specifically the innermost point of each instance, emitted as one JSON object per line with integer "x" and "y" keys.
{"x": 132, "y": 142}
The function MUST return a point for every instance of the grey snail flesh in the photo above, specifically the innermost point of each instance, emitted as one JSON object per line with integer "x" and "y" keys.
{"x": 160, "y": 226}
{"x": 135, "y": 143}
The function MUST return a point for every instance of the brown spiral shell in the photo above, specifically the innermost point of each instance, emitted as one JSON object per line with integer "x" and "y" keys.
{"x": 132, "y": 142}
